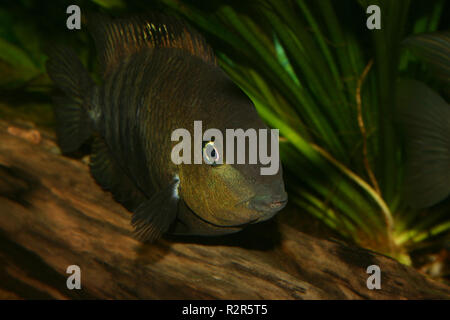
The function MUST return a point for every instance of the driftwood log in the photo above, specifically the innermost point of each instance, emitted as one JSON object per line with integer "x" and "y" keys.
{"x": 53, "y": 214}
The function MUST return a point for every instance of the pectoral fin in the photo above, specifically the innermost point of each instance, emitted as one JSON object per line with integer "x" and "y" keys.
{"x": 109, "y": 174}
{"x": 153, "y": 217}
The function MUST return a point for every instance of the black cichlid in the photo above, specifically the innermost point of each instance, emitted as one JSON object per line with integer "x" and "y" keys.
{"x": 160, "y": 75}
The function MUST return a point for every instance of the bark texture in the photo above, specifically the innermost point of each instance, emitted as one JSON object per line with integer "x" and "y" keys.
{"x": 53, "y": 214}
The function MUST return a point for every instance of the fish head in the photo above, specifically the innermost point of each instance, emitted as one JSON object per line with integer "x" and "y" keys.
{"x": 232, "y": 194}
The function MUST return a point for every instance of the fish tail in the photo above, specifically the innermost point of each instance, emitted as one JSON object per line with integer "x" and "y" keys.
{"x": 71, "y": 110}
{"x": 426, "y": 121}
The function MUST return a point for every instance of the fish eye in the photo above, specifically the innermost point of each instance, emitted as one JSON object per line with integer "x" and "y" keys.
{"x": 211, "y": 154}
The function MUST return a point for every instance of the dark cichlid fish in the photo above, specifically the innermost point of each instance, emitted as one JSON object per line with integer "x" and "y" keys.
{"x": 160, "y": 75}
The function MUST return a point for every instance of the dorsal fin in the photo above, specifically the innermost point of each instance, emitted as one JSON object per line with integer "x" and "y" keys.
{"x": 117, "y": 39}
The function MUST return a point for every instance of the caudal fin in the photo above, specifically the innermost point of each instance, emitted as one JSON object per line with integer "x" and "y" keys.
{"x": 68, "y": 73}
{"x": 426, "y": 120}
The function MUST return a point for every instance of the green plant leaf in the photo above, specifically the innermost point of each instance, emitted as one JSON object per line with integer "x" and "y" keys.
{"x": 434, "y": 50}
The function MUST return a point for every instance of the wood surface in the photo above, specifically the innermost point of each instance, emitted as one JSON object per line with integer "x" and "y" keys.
{"x": 53, "y": 214}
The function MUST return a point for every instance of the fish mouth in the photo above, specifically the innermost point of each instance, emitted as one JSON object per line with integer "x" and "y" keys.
{"x": 266, "y": 206}
{"x": 271, "y": 211}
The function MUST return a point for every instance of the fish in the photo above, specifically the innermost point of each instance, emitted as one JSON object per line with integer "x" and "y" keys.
{"x": 425, "y": 120}
{"x": 159, "y": 74}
